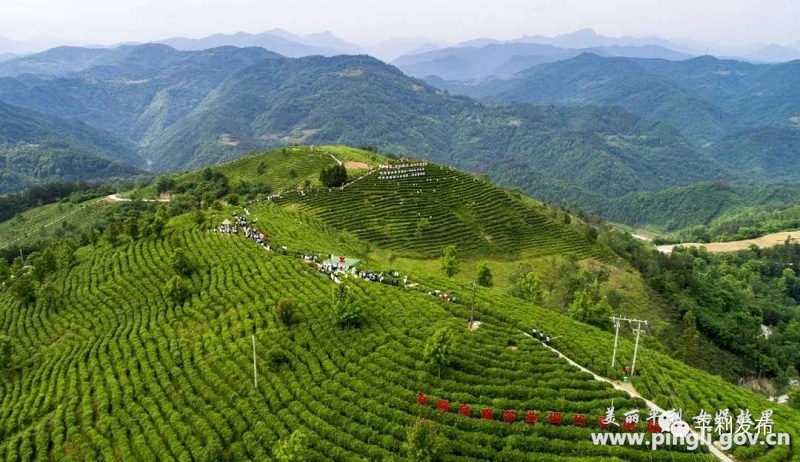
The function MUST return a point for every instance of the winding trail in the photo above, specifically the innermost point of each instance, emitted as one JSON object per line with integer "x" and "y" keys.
{"x": 628, "y": 388}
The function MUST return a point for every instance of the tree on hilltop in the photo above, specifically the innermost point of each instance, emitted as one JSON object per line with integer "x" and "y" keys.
{"x": 449, "y": 260}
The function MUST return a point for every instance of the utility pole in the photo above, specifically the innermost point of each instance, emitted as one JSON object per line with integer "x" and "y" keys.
{"x": 638, "y": 329}
{"x": 472, "y": 311}
{"x": 616, "y": 337}
{"x": 255, "y": 371}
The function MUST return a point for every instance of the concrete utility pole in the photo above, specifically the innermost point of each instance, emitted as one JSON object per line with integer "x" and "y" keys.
{"x": 472, "y": 311}
{"x": 638, "y": 329}
{"x": 616, "y": 337}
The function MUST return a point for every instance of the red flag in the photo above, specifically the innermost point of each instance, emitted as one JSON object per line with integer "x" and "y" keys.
{"x": 602, "y": 423}
{"x": 579, "y": 420}
{"x": 628, "y": 426}
{"x": 486, "y": 413}
{"x": 464, "y": 410}
{"x": 554, "y": 418}
{"x": 531, "y": 416}
{"x": 509, "y": 415}
{"x": 421, "y": 398}
{"x": 653, "y": 427}
{"x": 443, "y": 405}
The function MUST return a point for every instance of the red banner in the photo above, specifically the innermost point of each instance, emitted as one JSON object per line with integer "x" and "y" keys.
{"x": 653, "y": 427}
{"x": 464, "y": 410}
{"x": 443, "y": 405}
{"x": 554, "y": 418}
{"x": 628, "y": 426}
{"x": 486, "y": 413}
{"x": 422, "y": 398}
{"x": 579, "y": 420}
{"x": 601, "y": 422}
{"x": 531, "y": 416}
{"x": 510, "y": 416}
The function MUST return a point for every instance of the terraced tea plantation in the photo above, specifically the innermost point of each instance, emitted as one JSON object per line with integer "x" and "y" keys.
{"x": 418, "y": 216}
{"x": 111, "y": 364}
{"x": 47, "y": 221}
{"x": 117, "y": 371}
{"x": 286, "y": 168}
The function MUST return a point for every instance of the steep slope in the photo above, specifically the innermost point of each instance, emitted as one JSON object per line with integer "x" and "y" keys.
{"x": 447, "y": 207}
{"x": 138, "y": 93}
{"x": 38, "y": 149}
{"x": 110, "y": 364}
{"x": 343, "y": 100}
{"x": 707, "y": 98}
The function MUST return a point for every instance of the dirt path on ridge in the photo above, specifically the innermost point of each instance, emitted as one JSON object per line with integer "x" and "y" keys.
{"x": 630, "y": 390}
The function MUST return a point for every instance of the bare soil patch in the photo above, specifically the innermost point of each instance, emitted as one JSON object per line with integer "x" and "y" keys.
{"x": 768, "y": 240}
{"x": 353, "y": 165}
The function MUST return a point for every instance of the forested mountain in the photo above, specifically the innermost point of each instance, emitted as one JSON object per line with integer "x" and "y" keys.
{"x": 705, "y": 97}
{"x": 503, "y": 60}
{"x": 196, "y": 108}
{"x": 278, "y": 41}
{"x": 36, "y": 149}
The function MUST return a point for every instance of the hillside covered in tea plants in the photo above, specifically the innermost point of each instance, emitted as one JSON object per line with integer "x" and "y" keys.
{"x": 136, "y": 339}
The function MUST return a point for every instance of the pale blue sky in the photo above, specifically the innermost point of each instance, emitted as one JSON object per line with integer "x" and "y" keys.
{"x": 110, "y": 21}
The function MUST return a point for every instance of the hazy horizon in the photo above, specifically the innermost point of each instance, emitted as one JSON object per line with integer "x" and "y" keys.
{"x": 732, "y": 23}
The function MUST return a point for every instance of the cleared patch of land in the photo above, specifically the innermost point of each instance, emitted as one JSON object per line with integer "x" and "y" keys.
{"x": 351, "y": 165}
{"x": 768, "y": 240}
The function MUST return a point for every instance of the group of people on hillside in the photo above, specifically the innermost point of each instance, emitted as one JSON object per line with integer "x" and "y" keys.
{"x": 250, "y": 232}
{"x": 443, "y": 296}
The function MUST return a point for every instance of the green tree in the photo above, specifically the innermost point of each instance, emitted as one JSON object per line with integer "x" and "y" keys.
{"x": 449, "y": 260}
{"x": 530, "y": 287}
{"x": 601, "y": 314}
{"x": 132, "y": 228}
{"x": 23, "y": 288}
{"x": 293, "y": 448}
{"x": 48, "y": 296}
{"x": 6, "y": 350}
{"x": 794, "y": 398}
{"x": 181, "y": 263}
{"x": 347, "y": 312}
{"x": 422, "y": 224}
{"x": 112, "y": 233}
{"x": 581, "y": 306}
{"x": 424, "y": 443}
{"x": 233, "y": 199}
{"x": 438, "y": 349}
{"x": 285, "y": 311}
{"x": 485, "y": 276}
{"x": 178, "y": 290}
{"x": 46, "y": 263}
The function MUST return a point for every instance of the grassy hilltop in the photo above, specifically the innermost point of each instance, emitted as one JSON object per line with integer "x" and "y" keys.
{"x": 139, "y": 346}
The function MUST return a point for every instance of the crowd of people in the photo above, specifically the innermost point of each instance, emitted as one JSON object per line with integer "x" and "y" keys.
{"x": 443, "y": 296}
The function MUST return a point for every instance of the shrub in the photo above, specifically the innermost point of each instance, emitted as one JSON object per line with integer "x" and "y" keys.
{"x": 285, "y": 312}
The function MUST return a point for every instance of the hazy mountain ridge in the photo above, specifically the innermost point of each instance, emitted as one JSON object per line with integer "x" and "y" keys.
{"x": 189, "y": 109}
{"x": 708, "y": 98}
{"x": 278, "y": 41}
{"x": 500, "y": 60}
{"x": 37, "y": 149}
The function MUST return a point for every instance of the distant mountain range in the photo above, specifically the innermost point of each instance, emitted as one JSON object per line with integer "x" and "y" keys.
{"x": 277, "y": 41}
{"x": 187, "y": 109}
{"x": 714, "y": 102}
{"x": 37, "y": 149}
{"x": 503, "y": 60}
{"x": 603, "y": 130}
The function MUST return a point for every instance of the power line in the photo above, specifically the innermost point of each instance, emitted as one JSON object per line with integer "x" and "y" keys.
{"x": 638, "y": 329}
